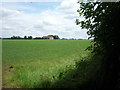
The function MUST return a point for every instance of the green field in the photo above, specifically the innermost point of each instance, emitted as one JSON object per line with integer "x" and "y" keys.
{"x": 28, "y": 63}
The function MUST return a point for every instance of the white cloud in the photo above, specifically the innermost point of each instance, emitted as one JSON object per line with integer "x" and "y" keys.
{"x": 8, "y": 13}
{"x": 60, "y": 21}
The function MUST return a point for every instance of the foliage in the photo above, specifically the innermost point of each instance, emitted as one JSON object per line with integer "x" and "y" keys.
{"x": 102, "y": 22}
{"x": 16, "y": 37}
{"x": 29, "y": 37}
{"x": 25, "y": 37}
{"x": 82, "y": 75}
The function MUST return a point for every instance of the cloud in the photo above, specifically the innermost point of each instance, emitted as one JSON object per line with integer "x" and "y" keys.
{"x": 8, "y": 13}
{"x": 57, "y": 21}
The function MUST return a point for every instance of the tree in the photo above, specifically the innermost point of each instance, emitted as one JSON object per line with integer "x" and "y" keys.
{"x": 16, "y": 37}
{"x": 102, "y": 22}
{"x": 56, "y": 37}
{"x": 25, "y": 37}
{"x": 29, "y": 37}
{"x": 13, "y": 37}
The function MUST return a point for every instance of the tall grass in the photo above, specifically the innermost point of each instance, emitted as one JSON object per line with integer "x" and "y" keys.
{"x": 86, "y": 74}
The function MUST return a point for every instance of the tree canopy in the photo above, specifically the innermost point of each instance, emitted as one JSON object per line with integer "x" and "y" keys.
{"x": 102, "y": 21}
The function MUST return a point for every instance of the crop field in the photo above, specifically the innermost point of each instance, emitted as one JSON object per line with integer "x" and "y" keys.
{"x": 28, "y": 63}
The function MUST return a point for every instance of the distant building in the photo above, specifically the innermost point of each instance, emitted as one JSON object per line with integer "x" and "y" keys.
{"x": 51, "y": 37}
{"x": 48, "y": 37}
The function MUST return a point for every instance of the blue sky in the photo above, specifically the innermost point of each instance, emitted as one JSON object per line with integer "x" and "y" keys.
{"x": 35, "y": 7}
{"x": 41, "y": 18}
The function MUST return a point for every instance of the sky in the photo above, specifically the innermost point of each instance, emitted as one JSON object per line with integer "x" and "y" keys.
{"x": 39, "y": 19}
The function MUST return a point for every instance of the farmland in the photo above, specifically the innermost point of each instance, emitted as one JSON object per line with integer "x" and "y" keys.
{"x": 28, "y": 63}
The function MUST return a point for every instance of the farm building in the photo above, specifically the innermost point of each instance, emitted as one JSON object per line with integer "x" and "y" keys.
{"x": 48, "y": 37}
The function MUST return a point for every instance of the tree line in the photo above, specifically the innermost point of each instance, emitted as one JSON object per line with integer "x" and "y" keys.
{"x": 31, "y": 37}
{"x": 18, "y": 37}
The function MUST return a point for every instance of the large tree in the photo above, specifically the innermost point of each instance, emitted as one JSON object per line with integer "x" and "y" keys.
{"x": 102, "y": 21}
